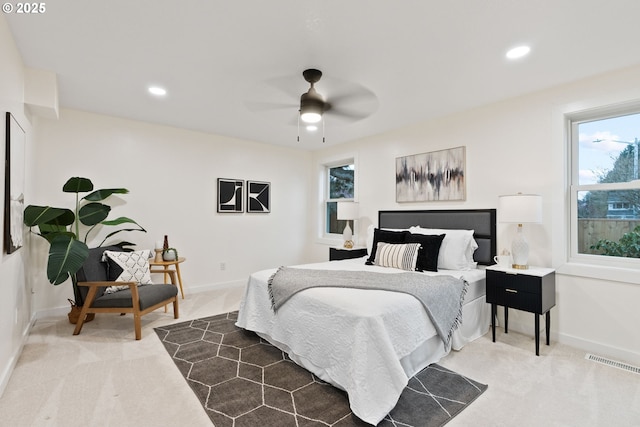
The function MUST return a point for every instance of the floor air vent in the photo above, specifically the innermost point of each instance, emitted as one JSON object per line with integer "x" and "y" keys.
{"x": 614, "y": 363}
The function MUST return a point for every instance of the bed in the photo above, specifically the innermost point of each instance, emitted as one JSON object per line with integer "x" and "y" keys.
{"x": 370, "y": 342}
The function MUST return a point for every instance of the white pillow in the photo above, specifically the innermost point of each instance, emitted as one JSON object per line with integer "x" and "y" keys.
{"x": 403, "y": 256}
{"x": 134, "y": 266}
{"x": 456, "y": 251}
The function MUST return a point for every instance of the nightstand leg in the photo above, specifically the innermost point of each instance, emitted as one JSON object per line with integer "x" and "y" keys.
{"x": 506, "y": 320}
{"x": 493, "y": 321}
{"x": 537, "y": 334}
{"x": 548, "y": 324}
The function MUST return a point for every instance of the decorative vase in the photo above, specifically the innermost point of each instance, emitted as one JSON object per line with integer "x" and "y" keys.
{"x": 170, "y": 254}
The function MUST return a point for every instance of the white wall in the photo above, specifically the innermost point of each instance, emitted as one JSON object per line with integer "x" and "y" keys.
{"x": 15, "y": 303}
{"x": 172, "y": 177}
{"x": 511, "y": 146}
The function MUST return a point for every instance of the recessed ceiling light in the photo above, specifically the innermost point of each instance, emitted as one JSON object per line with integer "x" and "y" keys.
{"x": 518, "y": 52}
{"x": 157, "y": 90}
{"x": 312, "y": 128}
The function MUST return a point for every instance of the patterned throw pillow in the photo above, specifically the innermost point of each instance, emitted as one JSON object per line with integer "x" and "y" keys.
{"x": 127, "y": 267}
{"x": 403, "y": 256}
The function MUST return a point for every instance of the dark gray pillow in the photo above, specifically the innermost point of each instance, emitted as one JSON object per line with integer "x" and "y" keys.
{"x": 385, "y": 236}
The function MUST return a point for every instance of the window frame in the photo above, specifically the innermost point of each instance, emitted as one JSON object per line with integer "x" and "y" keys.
{"x": 573, "y": 120}
{"x": 324, "y": 165}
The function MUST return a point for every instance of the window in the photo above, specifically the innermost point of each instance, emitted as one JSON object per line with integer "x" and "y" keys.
{"x": 340, "y": 186}
{"x": 605, "y": 187}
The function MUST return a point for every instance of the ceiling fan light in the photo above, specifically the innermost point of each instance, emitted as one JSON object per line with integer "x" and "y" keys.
{"x": 310, "y": 116}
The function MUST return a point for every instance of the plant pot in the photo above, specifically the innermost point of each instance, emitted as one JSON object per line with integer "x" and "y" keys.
{"x": 170, "y": 255}
{"x": 74, "y": 315}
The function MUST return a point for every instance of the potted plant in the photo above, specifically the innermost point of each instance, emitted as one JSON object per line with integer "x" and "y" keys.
{"x": 61, "y": 228}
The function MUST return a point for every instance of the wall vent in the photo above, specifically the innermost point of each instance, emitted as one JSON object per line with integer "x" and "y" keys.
{"x": 613, "y": 363}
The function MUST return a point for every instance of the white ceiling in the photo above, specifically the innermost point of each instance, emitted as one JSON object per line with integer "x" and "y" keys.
{"x": 224, "y": 63}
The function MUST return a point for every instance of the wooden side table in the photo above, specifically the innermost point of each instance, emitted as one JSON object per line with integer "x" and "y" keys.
{"x": 168, "y": 271}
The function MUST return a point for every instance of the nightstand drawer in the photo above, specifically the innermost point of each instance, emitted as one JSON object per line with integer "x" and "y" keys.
{"x": 337, "y": 254}
{"x": 521, "y": 291}
{"x": 513, "y": 298}
{"x": 518, "y": 282}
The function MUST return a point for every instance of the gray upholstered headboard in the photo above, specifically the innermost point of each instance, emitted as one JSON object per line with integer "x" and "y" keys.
{"x": 482, "y": 221}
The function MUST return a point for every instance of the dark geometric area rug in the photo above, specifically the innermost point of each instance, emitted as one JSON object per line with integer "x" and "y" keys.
{"x": 243, "y": 381}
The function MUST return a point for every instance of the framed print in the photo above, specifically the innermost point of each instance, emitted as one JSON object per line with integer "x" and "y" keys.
{"x": 258, "y": 196}
{"x": 434, "y": 176}
{"x": 230, "y": 195}
{"x": 13, "y": 184}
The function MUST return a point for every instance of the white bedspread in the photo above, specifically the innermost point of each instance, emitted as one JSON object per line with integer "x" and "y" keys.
{"x": 366, "y": 342}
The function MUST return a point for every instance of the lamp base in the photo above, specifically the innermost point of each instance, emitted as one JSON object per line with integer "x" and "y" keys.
{"x": 520, "y": 250}
{"x": 347, "y": 235}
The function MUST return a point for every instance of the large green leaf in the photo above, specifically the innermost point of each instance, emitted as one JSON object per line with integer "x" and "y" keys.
{"x": 119, "y": 221}
{"x": 77, "y": 185}
{"x": 51, "y": 232}
{"x": 37, "y": 215}
{"x": 98, "y": 195}
{"x": 93, "y": 213}
{"x": 66, "y": 256}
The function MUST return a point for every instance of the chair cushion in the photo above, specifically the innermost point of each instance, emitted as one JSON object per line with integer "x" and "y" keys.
{"x": 149, "y": 295}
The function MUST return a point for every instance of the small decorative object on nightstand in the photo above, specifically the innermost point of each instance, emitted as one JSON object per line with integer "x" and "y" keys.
{"x": 337, "y": 254}
{"x": 532, "y": 290}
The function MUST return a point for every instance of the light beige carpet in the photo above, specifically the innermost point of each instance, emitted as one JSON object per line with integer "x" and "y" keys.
{"x": 103, "y": 377}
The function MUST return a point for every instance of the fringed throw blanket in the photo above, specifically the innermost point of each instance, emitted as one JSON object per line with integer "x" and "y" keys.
{"x": 441, "y": 296}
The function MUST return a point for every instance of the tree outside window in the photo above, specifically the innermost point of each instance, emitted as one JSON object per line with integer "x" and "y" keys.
{"x": 341, "y": 184}
{"x": 607, "y": 189}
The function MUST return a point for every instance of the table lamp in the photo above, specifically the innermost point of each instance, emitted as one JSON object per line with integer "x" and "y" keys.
{"x": 520, "y": 209}
{"x": 347, "y": 211}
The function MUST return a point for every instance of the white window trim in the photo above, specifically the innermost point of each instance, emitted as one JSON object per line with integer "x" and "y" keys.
{"x": 568, "y": 261}
{"x": 322, "y": 236}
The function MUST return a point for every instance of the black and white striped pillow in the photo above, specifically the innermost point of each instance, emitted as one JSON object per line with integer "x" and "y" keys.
{"x": 403, "y": 256}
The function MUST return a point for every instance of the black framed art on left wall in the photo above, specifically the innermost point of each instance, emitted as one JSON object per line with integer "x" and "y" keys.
{"x": 15, "y": 143}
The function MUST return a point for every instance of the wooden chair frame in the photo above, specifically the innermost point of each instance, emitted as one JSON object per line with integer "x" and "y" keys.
{"x": 134, "y": 309}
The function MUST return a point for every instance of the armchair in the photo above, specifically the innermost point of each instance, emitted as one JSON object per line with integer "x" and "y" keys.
{"x": 92, "y": 281}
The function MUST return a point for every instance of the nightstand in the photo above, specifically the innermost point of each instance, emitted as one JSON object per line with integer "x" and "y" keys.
{"x": 336, "y": 254}
{"x": 532, "y": 290}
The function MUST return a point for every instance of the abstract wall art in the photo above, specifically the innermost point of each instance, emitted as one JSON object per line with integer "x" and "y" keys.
{"x": 258, "y": 196}
{"x": 434, "y": 176}
{"x": 230, "y": 195}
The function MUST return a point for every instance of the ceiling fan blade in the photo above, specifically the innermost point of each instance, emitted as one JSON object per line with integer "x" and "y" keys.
{"x": 348, "y": 115}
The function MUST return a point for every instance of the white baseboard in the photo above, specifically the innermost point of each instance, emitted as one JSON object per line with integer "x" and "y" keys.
{"x": 606, "y": 350}
{"x": 218, "y": 286}
{"x": 588, "y": 346}
{"x": 8, "y": 370}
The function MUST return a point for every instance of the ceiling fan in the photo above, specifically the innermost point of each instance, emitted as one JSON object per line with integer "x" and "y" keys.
{"x": 312, "y": 104}
{"x": 343, "y": 101}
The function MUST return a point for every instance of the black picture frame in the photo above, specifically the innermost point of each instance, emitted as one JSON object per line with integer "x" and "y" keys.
{"x": 15, "y": 145}
{"x": 230, "y": 195}
{"x": 258, "y": 197}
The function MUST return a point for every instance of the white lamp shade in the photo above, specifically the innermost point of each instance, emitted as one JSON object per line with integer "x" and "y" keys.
{"x": 348, "y": 210}
{"x": 520, "y": 208}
